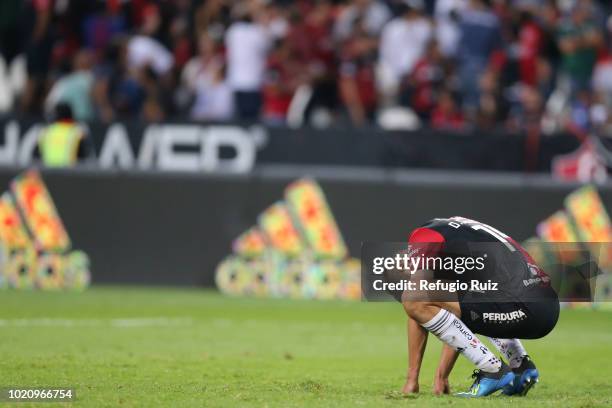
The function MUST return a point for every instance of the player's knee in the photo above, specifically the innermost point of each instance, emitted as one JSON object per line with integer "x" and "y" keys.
{"x": 414, "y": 308}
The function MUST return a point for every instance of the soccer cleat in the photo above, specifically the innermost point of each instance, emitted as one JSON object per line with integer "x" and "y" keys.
{"x": 488, "y": 383}
{"x": 525, "y": 376}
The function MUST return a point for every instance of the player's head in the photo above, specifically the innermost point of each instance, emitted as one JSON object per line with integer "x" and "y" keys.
{"x": 63, "y": 111}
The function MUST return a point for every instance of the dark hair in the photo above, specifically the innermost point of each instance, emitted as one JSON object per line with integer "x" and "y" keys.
{"x": 63, "y": 111}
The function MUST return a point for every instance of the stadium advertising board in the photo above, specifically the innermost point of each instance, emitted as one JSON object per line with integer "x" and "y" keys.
{"x": 167, "y": 147}
{"x": 237, "y": 148}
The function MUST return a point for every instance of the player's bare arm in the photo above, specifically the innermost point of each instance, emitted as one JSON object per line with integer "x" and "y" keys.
{"x": 417, "y": 342}
{"x": 420, "y": 308}
{"x": 448, "y": 357}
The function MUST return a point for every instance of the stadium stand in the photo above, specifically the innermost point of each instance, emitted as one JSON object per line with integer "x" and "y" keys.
{"x": 447, "y": 64}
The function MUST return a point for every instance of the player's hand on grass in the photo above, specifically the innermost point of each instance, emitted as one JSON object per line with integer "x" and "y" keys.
{"x": 441, "y": 386}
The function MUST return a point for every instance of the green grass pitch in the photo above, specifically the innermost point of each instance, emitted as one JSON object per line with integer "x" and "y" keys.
{"x": 145, "y": 347}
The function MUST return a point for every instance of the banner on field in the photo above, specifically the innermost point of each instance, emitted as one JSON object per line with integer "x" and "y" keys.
{"x": 296, "y": 250}
{"x": 280, "y": 230}
{"x": 39, "y": 213}
{"x": 559, "y": 228}
{"x": 592, "y": 222}
{"x": 306, "y": 201}
{"x": 250, "y": 244}
{"x": 13, "y": 233}
{"x": 36, "y": 251}
{"x": 580, "y": 232}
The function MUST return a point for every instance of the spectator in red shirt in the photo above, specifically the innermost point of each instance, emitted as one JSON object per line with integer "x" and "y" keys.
{"x": 357, "y": 85}
{"x": 310, "y": 37}
{"x": 530, "y": 39}
{"x": 446, "y": 115}
{"x": 422, "y": 84}
{"x": 282, "y": 78}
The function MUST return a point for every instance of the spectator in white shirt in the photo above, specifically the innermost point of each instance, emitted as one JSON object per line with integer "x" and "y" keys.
{"x": 203, "y": 78}
{"x": 373, "y": 14}
{"x": 402, "y": 43}
{"x": 448, "y": 32}
{"x": 145, "y": 51}
{"x": 247, "y": 45}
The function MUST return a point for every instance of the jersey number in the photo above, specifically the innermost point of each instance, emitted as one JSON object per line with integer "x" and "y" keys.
{"x": 477, "y": 226}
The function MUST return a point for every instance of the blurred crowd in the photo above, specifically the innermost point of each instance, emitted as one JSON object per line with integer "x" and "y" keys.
{"x": 447, "y": 64}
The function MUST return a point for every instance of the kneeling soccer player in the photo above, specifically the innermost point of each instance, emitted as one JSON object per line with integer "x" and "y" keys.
{"x": 524, "y": 306}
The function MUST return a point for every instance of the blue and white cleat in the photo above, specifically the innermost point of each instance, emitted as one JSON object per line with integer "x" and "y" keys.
{"x": 489, "y": 383}
{"x": 525, "y": 376}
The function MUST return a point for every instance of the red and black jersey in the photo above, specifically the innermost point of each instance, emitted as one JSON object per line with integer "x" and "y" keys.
{"x": 521, "y": 304}
{"x": 505, "y": 260}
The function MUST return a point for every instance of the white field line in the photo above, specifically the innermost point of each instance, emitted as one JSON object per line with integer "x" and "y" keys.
{"x": 123, "y": 322}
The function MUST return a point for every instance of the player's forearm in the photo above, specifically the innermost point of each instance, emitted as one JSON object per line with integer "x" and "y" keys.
{"x": 417, "y": 341}
{"x": 447, "y": 362}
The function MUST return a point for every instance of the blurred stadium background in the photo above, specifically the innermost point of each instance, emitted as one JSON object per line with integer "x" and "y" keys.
{"x": 252, "y": 145}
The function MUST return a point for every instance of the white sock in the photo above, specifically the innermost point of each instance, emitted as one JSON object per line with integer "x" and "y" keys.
{"x": 512, "y": 349}
{"x": 452, "y": 331}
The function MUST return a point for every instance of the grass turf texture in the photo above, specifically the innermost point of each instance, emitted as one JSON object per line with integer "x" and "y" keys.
{"x": 173, "y": 347}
